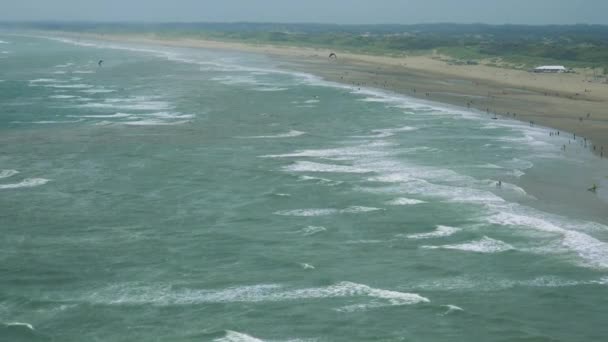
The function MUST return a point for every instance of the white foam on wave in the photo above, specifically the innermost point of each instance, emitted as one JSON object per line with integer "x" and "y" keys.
{"x": 359, "y": 209}
{"x": 4, "y": 42}
{"x": 83, "y": 72}
{"x": 483, "y": 245}
{"x": 236, "y": 79}
{"x": 440, "y": 231}
{"x": 46, "y": 80}
{"x": 326, "y": 211}
{"x": 171, "y": 115}
{"x": 26, "y": 183}
{"x": 165, "y": 295}
{"x": 422, "y": 187}
{"x": 387, "y": 132}
{"x": 320, "y": 180}
{"x": 593, "y": 251}
{"x": 136, "y": 103}
{"x": 233, "y": 336}
{"x": 312, "y": 230}
{"x": 62, "y": 97}
{"x": 404, "y": 201}
{"x": 492, "y": 284}
{"x": 307, "y": 266}
{"x": 451, "y": 309}
{"x": 59, "y": 72}
{"x": 69, "y": 86}
{"x": 20, "y": 324}
{"x": 308, "y": 212}
{"x": 345, "y": 153}
{"x": 427, "y": 181}
{"x": 98, "y": 91}
{"x": 115, "y": 115}
{"x": 8, "y": 173}
{"x": 47, "y": 122}
{"x": 66, "y": 65}
{"x": 290, "y": 134}
{"x": 270, "y": 89}
{"x": 152, "y": 122}
{"x": 306, "y": 166}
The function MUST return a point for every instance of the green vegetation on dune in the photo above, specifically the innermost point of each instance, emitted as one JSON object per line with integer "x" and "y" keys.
{"x": 517, "y": 45}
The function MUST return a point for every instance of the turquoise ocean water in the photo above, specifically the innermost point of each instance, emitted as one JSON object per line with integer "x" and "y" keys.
{"x": 191, "y": 195}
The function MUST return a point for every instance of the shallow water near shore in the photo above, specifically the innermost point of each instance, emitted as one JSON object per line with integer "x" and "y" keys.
{"x": 191, "y": 195}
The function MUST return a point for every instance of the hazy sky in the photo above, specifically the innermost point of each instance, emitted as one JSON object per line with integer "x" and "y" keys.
{"x": 320, "y": 11}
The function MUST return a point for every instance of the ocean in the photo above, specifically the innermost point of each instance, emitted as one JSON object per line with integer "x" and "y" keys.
{"x": 176, "y": 194}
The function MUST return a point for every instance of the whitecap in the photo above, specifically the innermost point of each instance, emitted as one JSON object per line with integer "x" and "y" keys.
{"x": 46, "y": 80}
{"x": 440, "y": 231}
{"x": 170, "y": 115}
{"x": 312, "y": 230}
{"x": 8, "y": 173}
{"x": 451, "y": 309}
{"x": 98, "y": 91}
{"x": 270, "y": 89}
{"x": 307, "y": 212}
{"x": 47, "y": 122}
{"x": 320, "y": 180}
{"x": 484, "y": 245}
{"x": 593, "y": 251}
{"x": 345, "y": 153}
{"x": 387, "y": 132}
{"x": 233, "y": 336}
{"x": 404, "y": 201}
{"x": 69, "y": 86}
{"x": 19, "y": 324}
{"x": 4, "y": 42}
{"x": 305, "y": 166}
{"x": 26, "y": 183}
{"x": 62, "y": 97}
{"x": 83, "y": 72}
{"x": 166, "y": 295}
{"x": 307, "y": 266}
{"x": 326, "y": 211}
{"x": 101, "y": 116}
{"x": 290, "y": 134}
{"x": 129, "y": 104}
{"x": 359, "y": 209}
{"x": 64, "y": 65}
{"x": 154, "y": 123}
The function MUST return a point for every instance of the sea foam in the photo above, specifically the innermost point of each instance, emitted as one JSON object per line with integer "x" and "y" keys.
{"x": 484, "y": 245}
{"x": 290, "y": 134}
{"x": 8, "y": 173}
{"x": 26, "y": 183}
{"x": 441, "y": 231}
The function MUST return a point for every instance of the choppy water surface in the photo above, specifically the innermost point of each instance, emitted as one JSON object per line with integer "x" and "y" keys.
{"x": 191, "y": 195}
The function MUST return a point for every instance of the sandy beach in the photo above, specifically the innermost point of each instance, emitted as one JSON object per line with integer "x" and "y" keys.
{"x": 568, "y": 102}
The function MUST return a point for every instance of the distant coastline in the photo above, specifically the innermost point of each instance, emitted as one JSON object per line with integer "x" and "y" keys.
{"x": 566, "y": 102}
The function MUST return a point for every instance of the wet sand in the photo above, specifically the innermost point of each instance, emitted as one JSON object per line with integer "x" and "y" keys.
{"x": 575, "y": 102}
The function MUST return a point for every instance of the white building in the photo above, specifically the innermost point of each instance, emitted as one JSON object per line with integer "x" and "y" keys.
{"x": 550, "y": 68}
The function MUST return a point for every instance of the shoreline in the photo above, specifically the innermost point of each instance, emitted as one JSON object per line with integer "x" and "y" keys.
{"x": 565, "y": 102}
